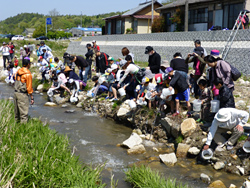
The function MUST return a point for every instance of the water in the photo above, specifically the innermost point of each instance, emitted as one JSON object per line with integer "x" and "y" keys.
{"x": 94, "y": 140}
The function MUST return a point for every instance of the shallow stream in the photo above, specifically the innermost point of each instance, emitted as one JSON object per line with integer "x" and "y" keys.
{"x": 95, "y": 140}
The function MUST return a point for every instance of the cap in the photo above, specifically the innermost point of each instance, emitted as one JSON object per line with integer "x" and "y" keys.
{"x": 66, "y": 55}
{"x": 88, "y": 45}
{"x": 145, "y": 79}
{"x": 93, "y": 41}
{"x": 42, "y": 42}
{"x": 215, "y": 53}
{"x": 25, "y": 46}
{"x": 21, "y": 48}
{"x": 111, "y": 59}
{"x": 114, "y": 66}
{"x": 159, "y": 79}
{"x": 148, "y": 49}
{"x": 40, "y": 57}
{"x": 168, "y": 70}
{"x": 199, "y": 50}
{"x": 138, "y": 88}
{"x": 44, "y": 49}
{"x": 4, "y": 43}
{"x": 58, "y": 71}
{"x": 71, "y": 80}
{"x": 108, "y": 71}
{"x": 122, "y": 63}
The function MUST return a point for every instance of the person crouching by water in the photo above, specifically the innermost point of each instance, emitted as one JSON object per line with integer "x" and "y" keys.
{"x": 227, "y": 119}
{"x": 23, "y": 89}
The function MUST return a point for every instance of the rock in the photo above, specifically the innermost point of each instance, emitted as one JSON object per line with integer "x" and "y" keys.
{"x": 123, "y": 111}
{"x": 41, "y": 94}
{"x": 204, "y": 140}
{"x": 143, "y": 136}
{"x": 232, "y": 186}
{"x": 40, "y": 87}
{"x": 37, "y": 92}
{"x": 240, "y": 104}
{"x": 10, "y": 98}
{"x": 182, "y": 150}
{"x": 60, "y": 100}
{"x": 188, "y": 126}
{"x": 219, "y": 165}
{"x": 241, "y": 169}
{"x": 69, "y": 111}
{"x": 132, "y": 141}
{"x": 217, "y": 184}
{"x": 205, "y": 178}
{"x": 50, "y": 104}
{"x": 168, "y": 159}
{"x": 155, "y": 149}
{"x": 79, "y": 105}
{"x": 246, "y": 184}
{"x": 188, "y": 140}
{"x": 139, "y": 149}
{"x": 149, "y": 137}
{"x": 241, "y": 81}
{"x": 193, "y": 151}
{"x": 138, "y": 131}
{"x": 234, "y": 156}
{"x": 172, "y": 127}
{"x": 81, "y": 98}
{"x": 64, "y": 106}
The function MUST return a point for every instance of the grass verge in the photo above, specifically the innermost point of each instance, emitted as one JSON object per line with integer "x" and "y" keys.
{"x": 33, "y": 155}
{"x": 144, "y": 177}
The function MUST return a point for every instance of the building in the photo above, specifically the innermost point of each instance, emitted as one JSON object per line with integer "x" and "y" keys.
{"x": 136, "y": 20}
{"x": 29, "y": 32}
{"x": 80, "y": 31}
{"x": 201, "y": 15}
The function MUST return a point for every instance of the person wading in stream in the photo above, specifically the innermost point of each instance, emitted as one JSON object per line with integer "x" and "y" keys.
{"x": 23, "y": 89}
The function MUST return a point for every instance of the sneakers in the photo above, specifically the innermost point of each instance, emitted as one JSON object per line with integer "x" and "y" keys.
{"x": 107, "y": 97}
{"x": 189, "y": 114}
{"x": 175, "y": 114}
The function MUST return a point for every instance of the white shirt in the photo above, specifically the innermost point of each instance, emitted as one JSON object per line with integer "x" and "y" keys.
{"x": 131, "y": 69}
{"x": 238, "y": 117}
{"x": 5, "y": 50}
{"x": 48, "y": 55}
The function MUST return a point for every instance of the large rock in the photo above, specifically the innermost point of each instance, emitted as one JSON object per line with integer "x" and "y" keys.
{"x": 182, "y": 150}
{"x": 188, "y": 126}
{"x": 219, "y": 165}
{"x": 50, "y": 104}
{"x": 60, "y": 100}
{"x": 246, "y": 184}
{"x": 139, "y": 149}
{"x": 193, "y": 151}
{"x": 81, "y": 98}
{"x": 40, "y": 87}
{"x": 132, "y": 141}
{"x": 79, "y": 105}
{"x": 205, "y": 178}
{"x": 232, "y": 186}
{"x": 217, "y": 184}
{"x": 241, "y": 104}
{"x": 123, "y": 112}
{"x": 171, "y": 126}
{"x": 168, "y": 159}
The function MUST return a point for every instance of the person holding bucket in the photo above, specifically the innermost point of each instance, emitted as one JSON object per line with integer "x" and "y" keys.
{"x": 227, "y": 119}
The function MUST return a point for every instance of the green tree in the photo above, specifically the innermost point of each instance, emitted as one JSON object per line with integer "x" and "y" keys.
{"x": 40, "y": 31}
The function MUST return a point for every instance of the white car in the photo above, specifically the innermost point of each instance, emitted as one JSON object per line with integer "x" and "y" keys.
{"x": 18, "y": 37}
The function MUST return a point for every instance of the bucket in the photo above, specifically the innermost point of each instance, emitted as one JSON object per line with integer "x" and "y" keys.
{"x": 246, "y": 147}
{"x": 122, "y": 91}
{"x": 215, "y": 106}
{"x": 132, "y": 104}
{"x": 73, "y": 99}
{"x": 101, "y": 80}
{"x": 148, "y": 96}
{"x": 197, "y": 105}
{"x": 166, "y": 92}
{"x": 207, "y": 154}
{"x": 141, "y": 102}
{"x": 47, "y": 76}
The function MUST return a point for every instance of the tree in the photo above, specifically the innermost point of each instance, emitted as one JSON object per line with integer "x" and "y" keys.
{"x": 158, "y": 24}
{"x": 40, "y": 31}
{"x": 178, "y": 19}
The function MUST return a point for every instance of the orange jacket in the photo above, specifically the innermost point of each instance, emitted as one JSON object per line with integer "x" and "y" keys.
{"x": 26, "y": 77}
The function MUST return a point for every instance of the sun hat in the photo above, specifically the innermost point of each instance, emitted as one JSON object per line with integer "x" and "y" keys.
{"x": 168, "y": 70}
{"x": 108, "y": 71}
{"x": 71, "y": 80}
{"x": 158, "y": 79}
{"x": 122, "y": 63}
{"x": 58, "y": 71}
{"x": 21, "y": 48}
{"x": 215, "y": 53}
{"x": 148, "y": 49}
{"x": 111, "y": 59}
{"x": 44, "y": 49}
{"x": 144, "y": 80}
{"x": 114, "y": 66}
{"x": 149, "y": 74}
{"x": 223, "y": 115}
{"x": 67, "y": 69}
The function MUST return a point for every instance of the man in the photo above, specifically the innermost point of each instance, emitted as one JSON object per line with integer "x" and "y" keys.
{"x": 82, "y": 65}
{"x": 227, "y": 119}
{"x": 154, "y": 60}
{"x": 102, "y": 62}
{"x": 197, "y": 44}
{"x": 90, "y": 57}
{"x": 178, "y": 64}
{"x": 95, "y": 47}
{"x": 23, "y": 89}
{"x": 5, "y": 49}
{"x": 42, "y": 43}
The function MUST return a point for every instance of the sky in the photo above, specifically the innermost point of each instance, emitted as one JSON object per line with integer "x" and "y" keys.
{"x": 72, "y": 7}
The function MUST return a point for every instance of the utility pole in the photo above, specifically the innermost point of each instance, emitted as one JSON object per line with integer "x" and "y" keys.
{"x": 81, "y": 18}
{"x": 152, "y": 19}
{"x": 46, "y": 26}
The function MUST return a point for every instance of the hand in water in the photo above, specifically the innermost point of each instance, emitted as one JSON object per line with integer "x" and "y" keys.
{"x": 32, "y": 102}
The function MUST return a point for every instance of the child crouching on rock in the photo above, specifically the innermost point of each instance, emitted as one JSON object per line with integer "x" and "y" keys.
{"x": 148, "y": 88}
{"x": 110, "y": 79}
{"x": 98, "y": 88}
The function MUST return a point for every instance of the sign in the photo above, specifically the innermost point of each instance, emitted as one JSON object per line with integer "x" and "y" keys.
{"x": 93, "y": 34}
{"x": 48, "y": 21}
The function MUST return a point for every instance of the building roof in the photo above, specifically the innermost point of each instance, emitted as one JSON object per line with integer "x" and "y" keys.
{"x": 30, "y": 30}
{"x": 139, "y": 8}
{"x": 88, "y": 29}
{"x": 144, "y": 16}
{"x": 181, "y": 3}
{"x": 112, "y": 17}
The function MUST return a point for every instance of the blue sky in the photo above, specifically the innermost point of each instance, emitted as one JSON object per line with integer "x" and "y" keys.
{"x": 88, "y": 7}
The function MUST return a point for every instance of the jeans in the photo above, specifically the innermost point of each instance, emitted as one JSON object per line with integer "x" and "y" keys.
{"x": 80, "y": 74}
{"x": 87, "y": 69}
{"x": 4, "y": 60}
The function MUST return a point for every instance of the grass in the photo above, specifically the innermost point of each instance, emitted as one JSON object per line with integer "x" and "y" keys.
{"x": 33, "y": 155}
{"x": 141, "y": 64}
{"x": 243, "y": 138}
{"x": 179, "y": 139}
{"x": 116, "y": 104}
{"x": 144, "y": 177}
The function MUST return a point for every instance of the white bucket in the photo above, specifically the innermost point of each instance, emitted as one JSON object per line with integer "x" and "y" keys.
{"x": 207, "y": 154}
{"x": 197, "y": 105}
{"x": 73, "y": 99}
{"x": 101, "y": 80}
{"x": 89, "y": 94}
{"x": 215, "y": 106}
{"x": 246, "y": 147}
{"x": 166, "y": 92}
{"x": 50, "y": 92}
{"x": 141, "y": 102}
{"x": 122, "y": 91}
{"x": 47, "y": 76}
{"x": 132, "y": 104}
{"x": 148, "y": 96}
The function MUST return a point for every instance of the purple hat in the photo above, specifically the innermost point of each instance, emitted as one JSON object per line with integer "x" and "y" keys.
{"x": 168, "y": 70}
{"x": 27, "y": 58}
{"x": 215, "y": 53}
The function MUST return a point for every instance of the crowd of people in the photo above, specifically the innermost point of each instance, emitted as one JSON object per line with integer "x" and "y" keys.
{"x": 159, "y": 86}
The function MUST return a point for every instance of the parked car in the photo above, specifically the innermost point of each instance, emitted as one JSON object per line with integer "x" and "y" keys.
{"x": 18, "y": 37}
{"x": 9, "y": 36}
{"x": 42, "y": 38}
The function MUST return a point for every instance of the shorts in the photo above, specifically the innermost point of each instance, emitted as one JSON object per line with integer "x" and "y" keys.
{"x": 184, "y": 95}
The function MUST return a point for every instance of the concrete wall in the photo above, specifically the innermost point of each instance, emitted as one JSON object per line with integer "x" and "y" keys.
{"x": 166, "y": 44}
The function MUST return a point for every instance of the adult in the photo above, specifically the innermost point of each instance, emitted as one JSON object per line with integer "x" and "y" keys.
{"x": 197, "y": 43}
{"x": 95, "y": 46}
{"x": 70, "y": 73}
{"x": 5, "y": 49}
{"x": 90, "y": 57}
{"x": 47, "y": 55}
{"x": 43, "y": 45}
{"x": 82, "y": 65}
{"x": 125, "y": 52}
{"x": 219, "y": 69}
{"x": 154, "y": 60}
{"x": 23, "y": 89}
{"x": 179, "y": 65}
{"x": 227, "y": 119}
{"x": 12, "y": 50}
{"x": 102, "y": 62}
{"x": 27, "y": 50}
{"x": 22, "y": 53}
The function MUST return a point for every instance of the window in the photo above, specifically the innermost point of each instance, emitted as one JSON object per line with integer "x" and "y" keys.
{"x": 135, "y": 25}
{"x": 118, "y": 26}
{"x": 168, "y": 21}
{"x": 198, "y": 16}
{"x": 233, "y": 13}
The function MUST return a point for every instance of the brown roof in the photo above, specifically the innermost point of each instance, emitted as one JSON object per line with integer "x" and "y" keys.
{"x": 181, "y": 3}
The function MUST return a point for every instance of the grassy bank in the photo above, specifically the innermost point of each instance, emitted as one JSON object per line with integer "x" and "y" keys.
{"x": 33, "y": 155}
{"x": 144, "y": 177}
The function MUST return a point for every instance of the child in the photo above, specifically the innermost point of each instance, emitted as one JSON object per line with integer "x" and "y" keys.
{"x": 15, "y": 61}
{"x": 110, "y": 80}
{"x": 147, "y": 89}
{"x": 205, "y": 98}
{"x": 191, "y": 82}
{"x": 111, "y": 60}
{"x": 225, "y": 97}
{"x": 60, "y": 64}
{"x": 98, "y": 89}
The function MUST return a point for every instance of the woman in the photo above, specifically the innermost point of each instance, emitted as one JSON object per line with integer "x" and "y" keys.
{"x": 125, "y": 52}
{"x": 219, "y": 69}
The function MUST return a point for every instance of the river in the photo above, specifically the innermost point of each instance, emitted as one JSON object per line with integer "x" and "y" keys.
{"x": 95, "y": 140}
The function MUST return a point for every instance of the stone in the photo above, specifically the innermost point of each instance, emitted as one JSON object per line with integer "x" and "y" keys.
{"x": 241, "y": 81}
{"x": 232, "y": 186}
{"x": 80, "y": 98}
{"x": 50, "y": 104}
{"x": 149, "y": 137}
{"x": 10, "y": 98}
{"x": 64, "y": 106}
{"x": 182, "y": 150}
{"x": 138, "y": 149}
{"x": 41, "y": 94}
{"x": 69, "y": 111}
{"x": 142, "y": 136}
{"x": 171, "y": 126}
{"x": 205, "y": 178}
{"x": 246, "y": 184}
{"x": 204, "y": 140}
{"x": 193, "y": 151}
{"x": 138, "y": 131}
{"x": 234, "y": 156}
{"x": 168, "y": 159}
{"x": 123, "y": 111}
{"x": 40, "y": 87}
{"x": 241, "y": 169}
{"x": 37, "y": 92}
{"x": 79, "y": 105}
{"x": 155, "y": 149}
{"x": 60, "y": 100}
{"x": 188, "y": 126}
{"x": 132, "y": 141}
{"x": 219, "y": 165}
{"x": 217, "y": 184}
{"x": 240, "y": 104}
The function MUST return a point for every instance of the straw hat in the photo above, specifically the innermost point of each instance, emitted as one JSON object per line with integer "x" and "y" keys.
{"x": 67, "y": 69}
{"x": 223, "y": 115}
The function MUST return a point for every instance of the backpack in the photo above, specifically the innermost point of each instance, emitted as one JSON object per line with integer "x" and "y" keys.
{"x": 236, "y": 74}
{"x": 140, "y": 74}
{"x": 19, "y": 86}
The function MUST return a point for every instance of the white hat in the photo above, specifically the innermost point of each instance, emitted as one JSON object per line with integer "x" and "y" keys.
{"x": 93, "y": 41}
{"x": 25, "y": 46}
{"x": 114, "y": 66}
{"x": 71, "y": 80}
{"x": 122, "y": 63}
{"x": 223, "y": 115}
